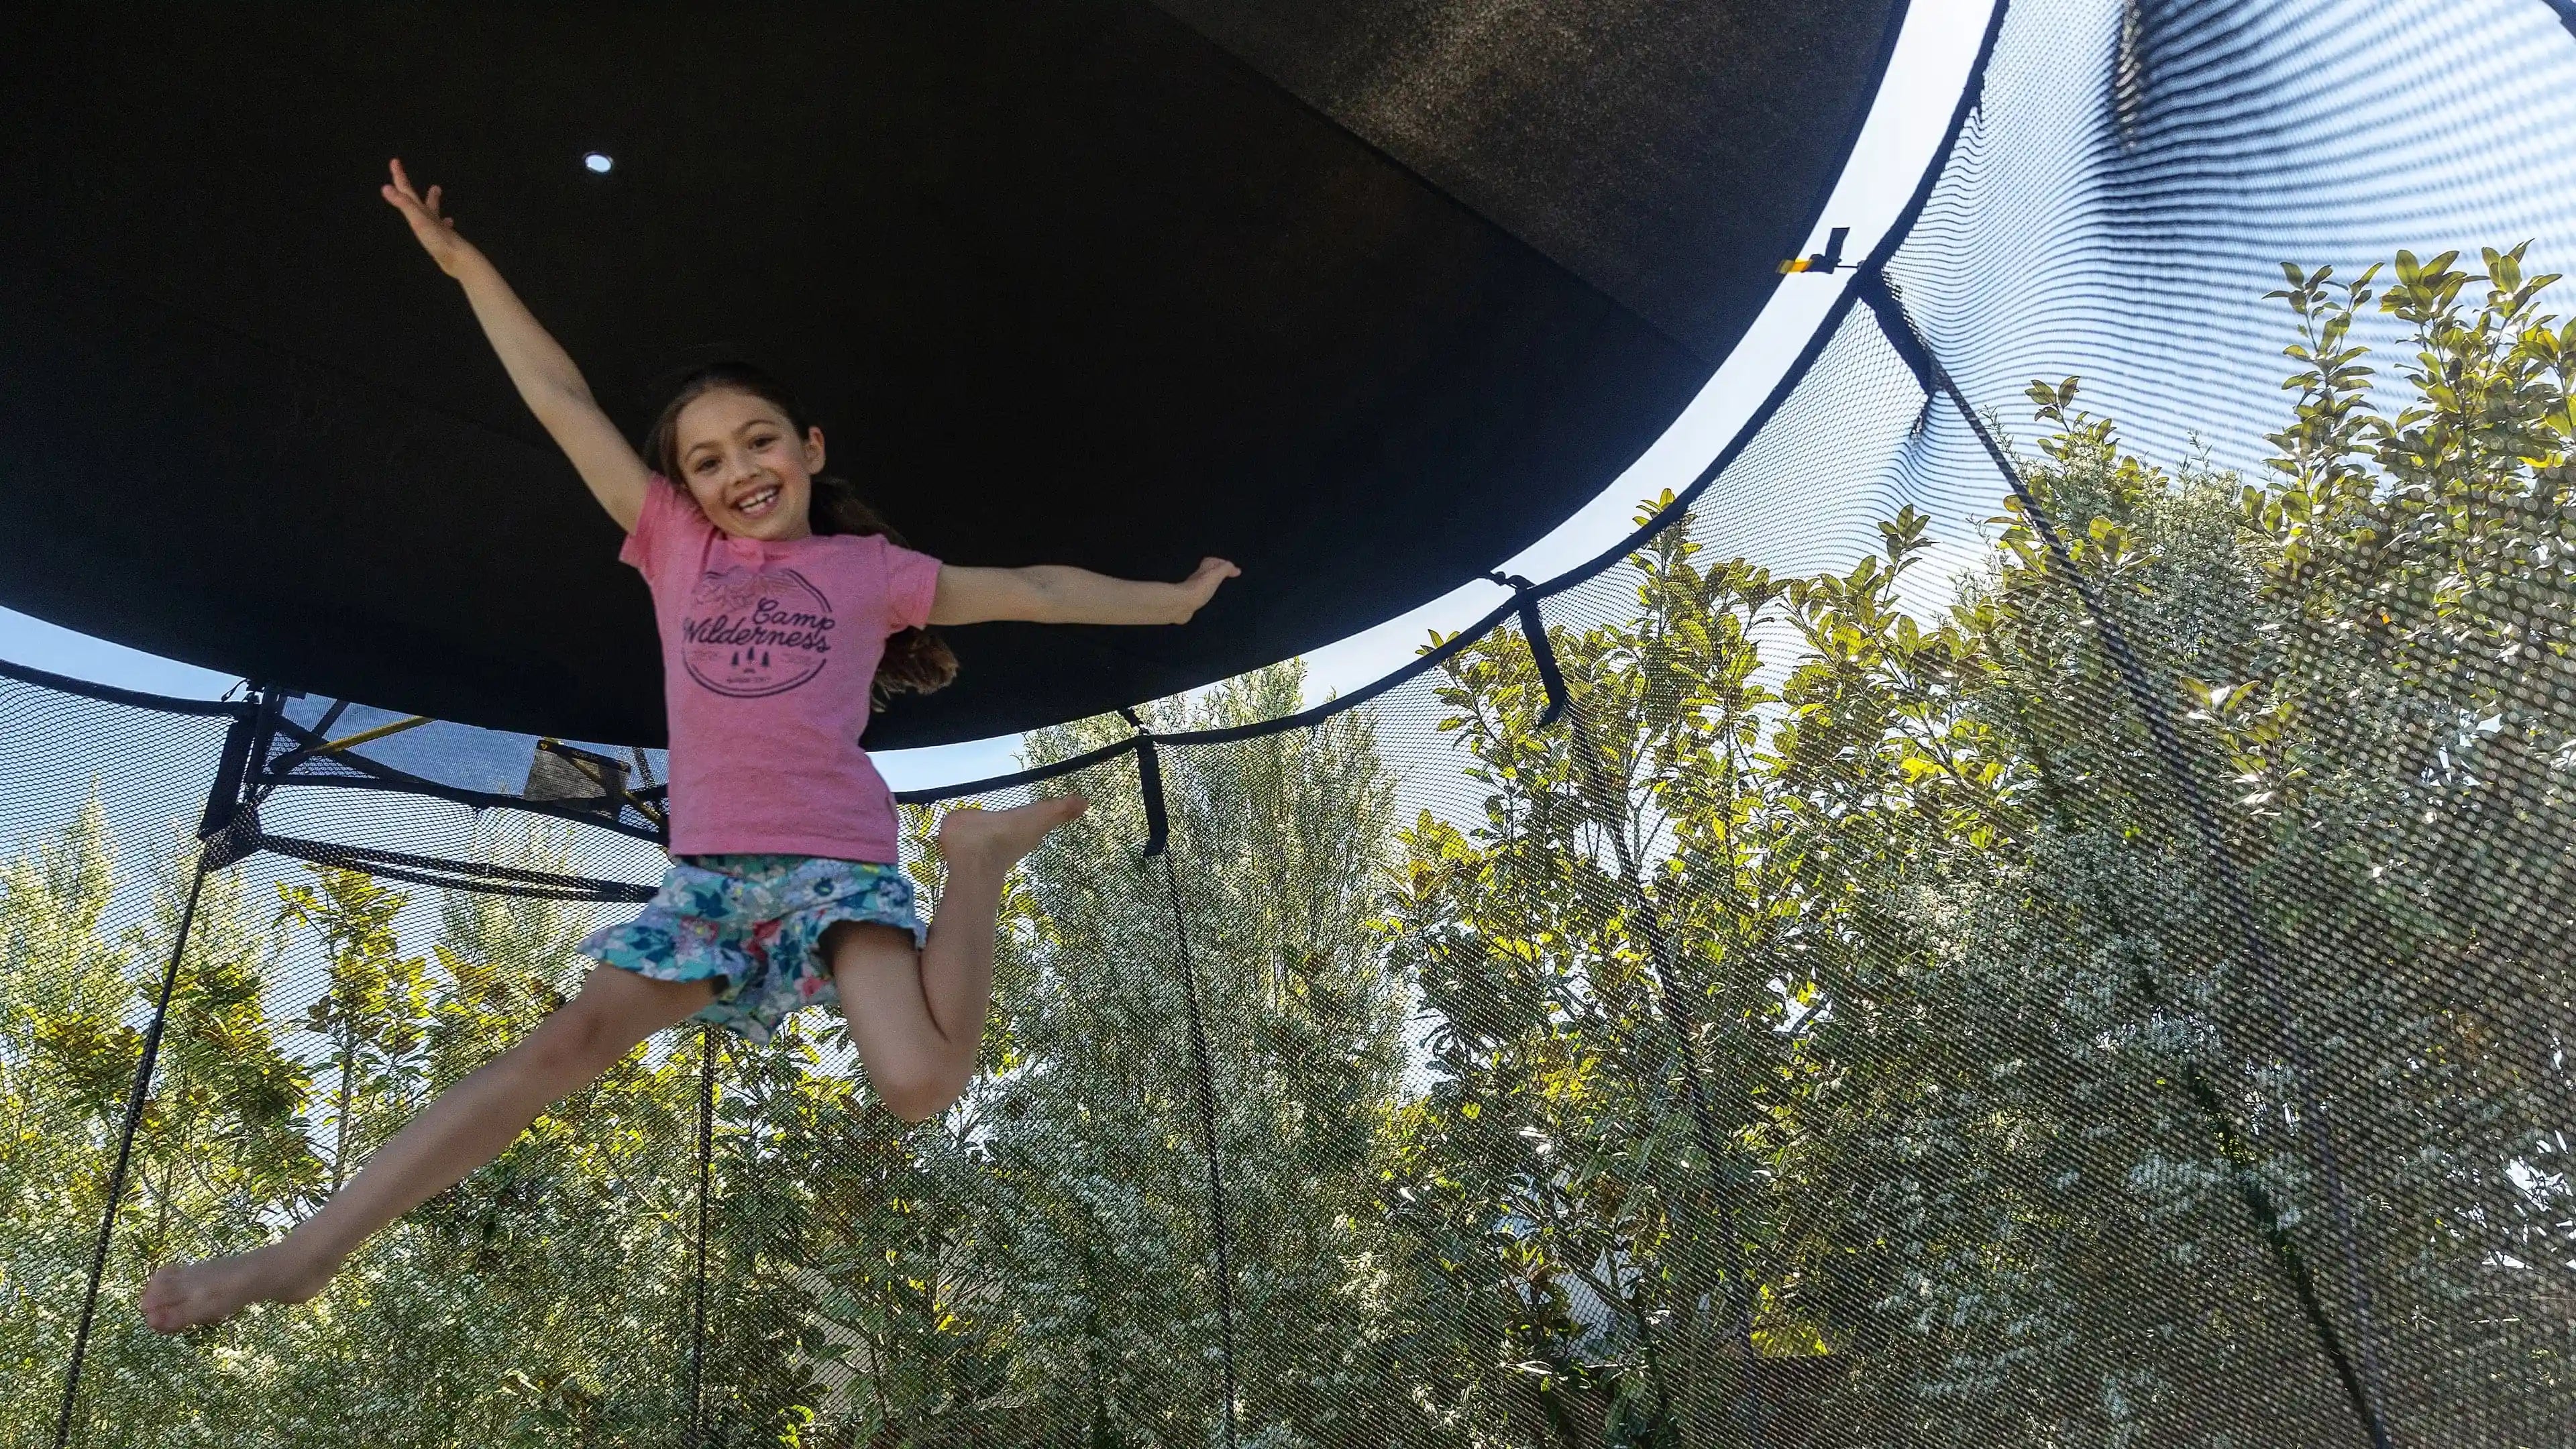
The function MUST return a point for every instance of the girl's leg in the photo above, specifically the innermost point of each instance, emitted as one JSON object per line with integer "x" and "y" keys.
{"x": 917, "y": 1017}
{"x": 468, "y": 1125}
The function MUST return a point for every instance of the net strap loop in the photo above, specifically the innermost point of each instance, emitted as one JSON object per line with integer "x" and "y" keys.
{"x": 1149, "y": 783}
{"x": 1542, "y": 653}
{"x": 229, "y": 827}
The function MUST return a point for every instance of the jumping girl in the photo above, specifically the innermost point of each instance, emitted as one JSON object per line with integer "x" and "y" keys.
{"x": 785, "y": 608}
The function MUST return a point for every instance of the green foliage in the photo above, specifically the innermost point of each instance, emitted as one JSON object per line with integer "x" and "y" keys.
{"x": 477, "y": 1319}
{"x": 1917, "y": 940}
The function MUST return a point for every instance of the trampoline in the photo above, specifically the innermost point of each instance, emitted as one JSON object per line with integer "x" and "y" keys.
{"x": 2024, "y": 906}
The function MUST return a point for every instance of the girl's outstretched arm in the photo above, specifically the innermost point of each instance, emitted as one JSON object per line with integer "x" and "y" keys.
{"x": 1054, "y": 594}
{"x": 543, "y": 371}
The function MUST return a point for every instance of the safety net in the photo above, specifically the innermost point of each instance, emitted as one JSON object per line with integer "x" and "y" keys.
{"x": 2029, "y": 906}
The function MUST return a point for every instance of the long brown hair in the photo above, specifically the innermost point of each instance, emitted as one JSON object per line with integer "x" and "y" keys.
{"x": 916, "y": 661}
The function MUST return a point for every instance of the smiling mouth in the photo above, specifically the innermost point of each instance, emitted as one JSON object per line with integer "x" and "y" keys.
{"x": 757, "y": 504}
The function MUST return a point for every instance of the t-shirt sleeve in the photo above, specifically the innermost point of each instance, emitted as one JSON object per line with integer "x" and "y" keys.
{"x": 912, "y": 586}
{"x": 667, "y": 517}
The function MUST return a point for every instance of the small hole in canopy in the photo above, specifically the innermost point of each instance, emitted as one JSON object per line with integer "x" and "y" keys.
{"x": 598, "y": 161}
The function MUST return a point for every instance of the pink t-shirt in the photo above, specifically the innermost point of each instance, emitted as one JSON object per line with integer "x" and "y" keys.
{"x": 768, "y": 650}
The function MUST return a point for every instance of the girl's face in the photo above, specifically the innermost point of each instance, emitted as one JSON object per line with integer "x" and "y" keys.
{"x": 752, "y": 476}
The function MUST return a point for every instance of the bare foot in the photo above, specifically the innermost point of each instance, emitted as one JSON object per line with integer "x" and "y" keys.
{"x": 997, "y": 839}
{"x": 184, "y": 1295}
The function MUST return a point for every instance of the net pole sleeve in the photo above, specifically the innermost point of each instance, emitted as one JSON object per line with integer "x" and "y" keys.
{"x": 223, "y": 795}
{"x": 1217, "y": 1219}
{"x": 1149, "y": 784}
{"x": 134, "y": 1099}
{"x": 2366, "y": 1391}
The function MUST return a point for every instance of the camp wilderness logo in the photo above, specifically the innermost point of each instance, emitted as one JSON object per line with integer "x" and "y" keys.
{"x": 751, "y": 633}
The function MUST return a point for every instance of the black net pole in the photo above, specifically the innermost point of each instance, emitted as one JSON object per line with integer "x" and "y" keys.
{"x": 706, "y": 1177}
{"x": 2365, "y": 1390}
{"x": 1678, "y": 1018}
{"x": 2231, "y": 1144}
{"x": 134, "y": 1099}
{"x": 1217, "y": 1218}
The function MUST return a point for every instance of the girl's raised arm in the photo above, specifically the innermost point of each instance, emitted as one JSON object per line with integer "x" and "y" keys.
{"x": 1055, "y": 594}
{"x": 544, "y": 372}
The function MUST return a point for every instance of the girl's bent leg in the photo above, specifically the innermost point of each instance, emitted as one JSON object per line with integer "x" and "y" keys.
{"x": 468, "y": 1125}
{"x": 917, "y": 1017}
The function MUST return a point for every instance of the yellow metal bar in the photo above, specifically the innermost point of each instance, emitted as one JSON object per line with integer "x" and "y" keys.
{"x": 351, "y": 742}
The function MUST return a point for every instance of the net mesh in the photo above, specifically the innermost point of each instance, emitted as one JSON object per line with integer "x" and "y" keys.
{"x": 2058, "y": 950}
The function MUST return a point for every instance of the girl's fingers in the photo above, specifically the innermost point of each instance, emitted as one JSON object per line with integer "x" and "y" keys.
{"x": 421, "y": 211}
{"x": 402, "y": 184}
{"x": 1212, "y": 573}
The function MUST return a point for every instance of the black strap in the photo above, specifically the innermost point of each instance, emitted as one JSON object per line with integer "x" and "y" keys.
{"x": 134, "y": 1099}
{"x": 1542, "y": 653}
{"x": 1149, "y": 782}
{"x": 110, "y": 694}
{"x": 506, "y": 880}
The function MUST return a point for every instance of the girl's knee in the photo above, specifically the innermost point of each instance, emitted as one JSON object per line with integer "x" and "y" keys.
{"x": 913, "y": 1092}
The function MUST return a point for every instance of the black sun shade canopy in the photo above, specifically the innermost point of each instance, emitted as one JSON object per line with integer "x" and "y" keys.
{"x": 1363, "y": 294}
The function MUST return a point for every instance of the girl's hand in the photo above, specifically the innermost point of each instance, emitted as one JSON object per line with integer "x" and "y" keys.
{"x": 1054, "y": 594}
{"x": 1199, "y": 587}
{"x": 437, "y": 233}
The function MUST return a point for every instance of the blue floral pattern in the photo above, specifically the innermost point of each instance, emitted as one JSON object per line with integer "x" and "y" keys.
{"x": 755, "y": 924}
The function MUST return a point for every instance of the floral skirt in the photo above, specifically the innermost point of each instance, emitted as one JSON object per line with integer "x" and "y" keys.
{"x": 754, "y": 924}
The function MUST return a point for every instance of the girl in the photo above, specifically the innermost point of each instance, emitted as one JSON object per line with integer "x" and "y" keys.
{"x": 784, "y": 608}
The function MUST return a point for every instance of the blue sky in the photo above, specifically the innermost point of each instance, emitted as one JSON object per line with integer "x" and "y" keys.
{"x": 1905, "y": 125}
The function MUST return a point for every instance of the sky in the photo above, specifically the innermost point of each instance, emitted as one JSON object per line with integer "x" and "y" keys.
{"x": 1906, "y": 122}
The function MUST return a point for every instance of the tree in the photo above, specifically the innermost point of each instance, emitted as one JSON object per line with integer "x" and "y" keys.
{"x": 66, "y": 1054}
